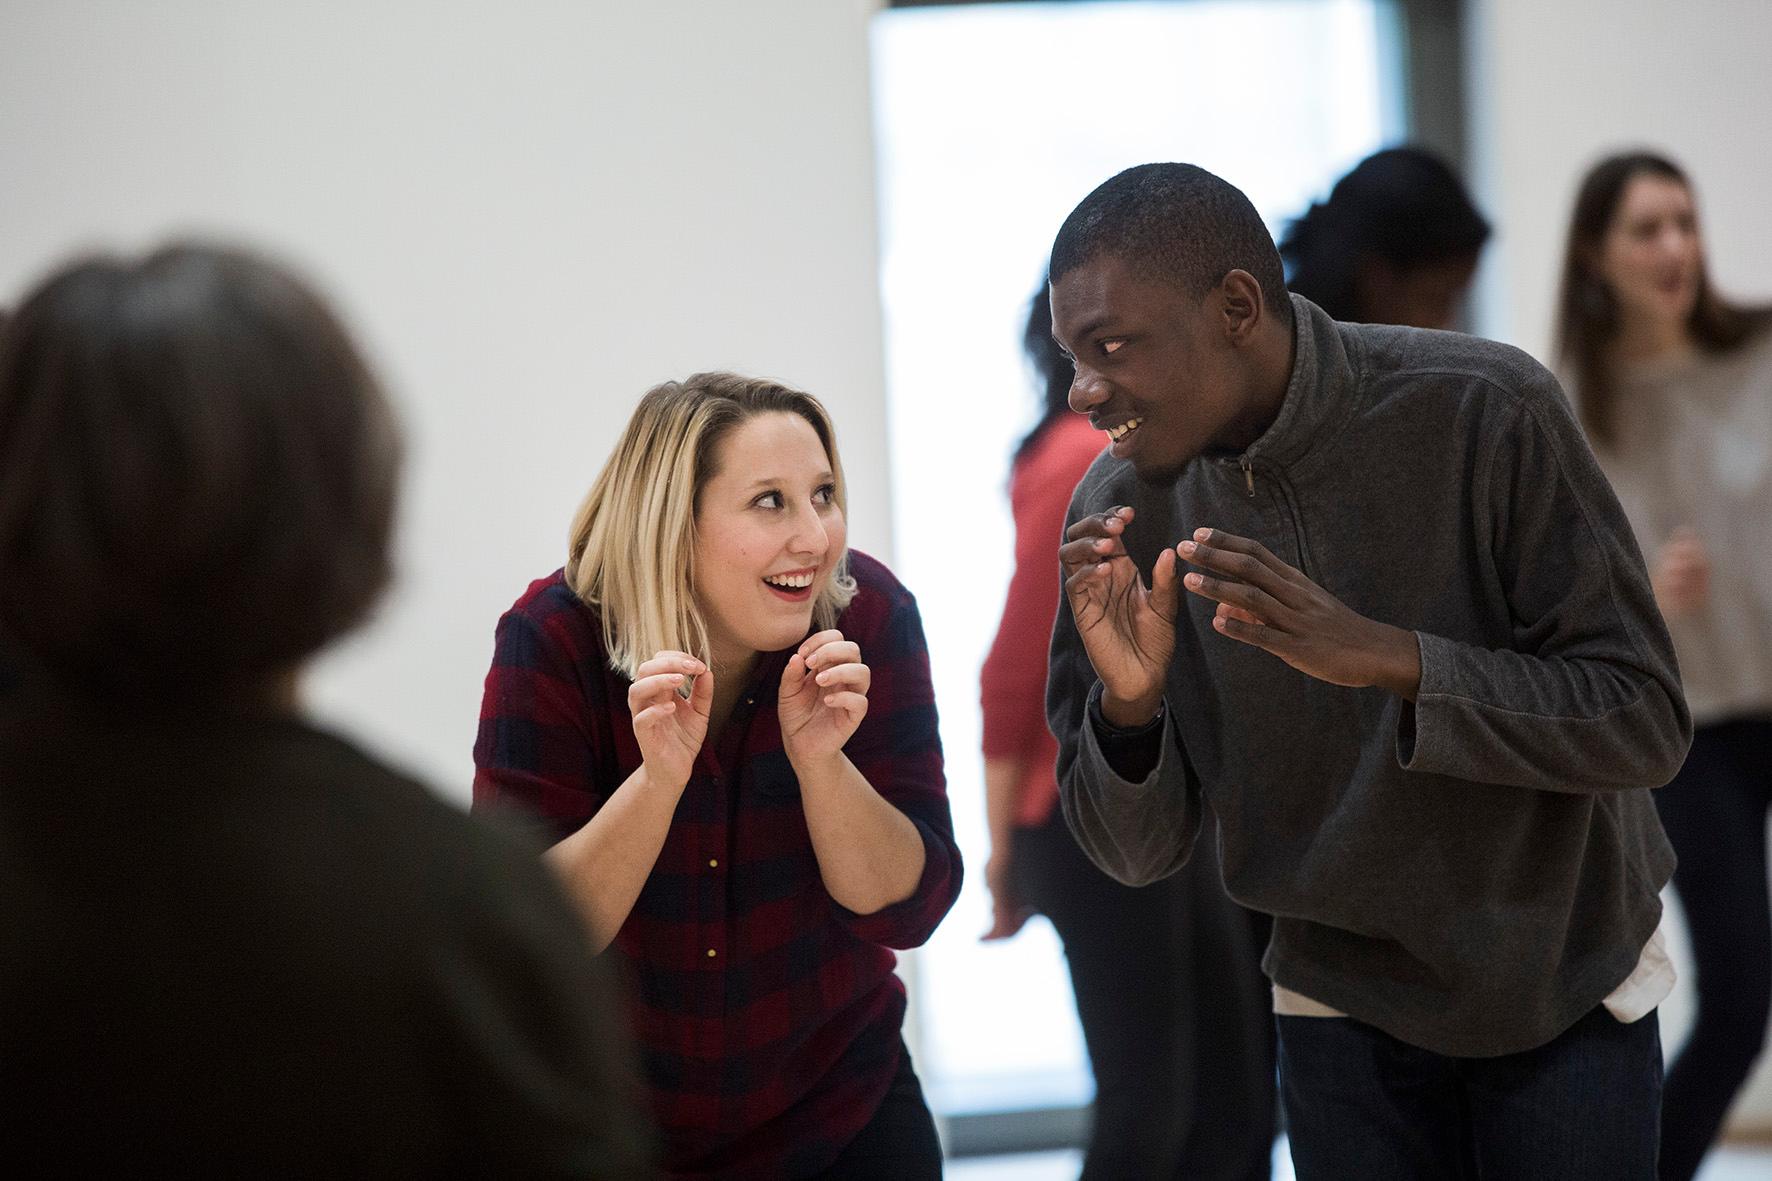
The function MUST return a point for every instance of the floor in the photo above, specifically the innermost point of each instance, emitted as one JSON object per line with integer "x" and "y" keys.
{"x": 1727, "y": 1164}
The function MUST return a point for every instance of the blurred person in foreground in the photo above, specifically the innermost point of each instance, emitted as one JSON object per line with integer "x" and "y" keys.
{"x": 1167, "y": 977}
{"x": 724, "y": 718}
{"x": 1363, "y": 591}
{"x": 1395, "y": 243}
{"x": 1674, "y": 385}
{"x": 231, "y": 943}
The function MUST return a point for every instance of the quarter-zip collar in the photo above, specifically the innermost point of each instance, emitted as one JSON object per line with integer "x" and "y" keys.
{"x": 1318, "y": 397}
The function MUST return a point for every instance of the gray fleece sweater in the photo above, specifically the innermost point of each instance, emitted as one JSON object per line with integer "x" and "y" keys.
{"x": 1471, "y": 873}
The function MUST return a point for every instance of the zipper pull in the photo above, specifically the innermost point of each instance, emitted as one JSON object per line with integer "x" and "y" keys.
{"x": 1248, "y": 474}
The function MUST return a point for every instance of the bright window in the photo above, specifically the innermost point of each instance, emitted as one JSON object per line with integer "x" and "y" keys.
{"x": 992, "y": 122}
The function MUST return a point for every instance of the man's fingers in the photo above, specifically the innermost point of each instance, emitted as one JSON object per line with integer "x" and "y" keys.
{"x": 1242, "y": 560}
{"x": 1108, "y": 524}
{"x": 1089, "y": 550}
{"x": 1240, "y": 625}
{"x": 1238, "y": 594}
{"x": 1165, "y": 586}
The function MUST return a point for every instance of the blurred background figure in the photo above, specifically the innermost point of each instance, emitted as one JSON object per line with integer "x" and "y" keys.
{"x": 1167, "y": 977}
{"x": 1396, "y": 243}
{"x": 1674, "y": 386}
{"x": 231, "y": 943}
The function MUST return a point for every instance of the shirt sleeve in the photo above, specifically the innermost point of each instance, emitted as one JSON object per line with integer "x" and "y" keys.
{"x": 537, "y": 1055}
{"x": 897, "y": 749}
{"x": 1013, "y": 680}
{"x": 534, "y": 753}
{"x": 1137, "y": 831}
{"x": 1587, "y": 698}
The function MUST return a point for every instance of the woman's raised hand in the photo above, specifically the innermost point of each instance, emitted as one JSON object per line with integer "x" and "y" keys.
{"x": 824, "y": 697}
{"x": 1680, "y": 574}
{"x": 669, "y": 728}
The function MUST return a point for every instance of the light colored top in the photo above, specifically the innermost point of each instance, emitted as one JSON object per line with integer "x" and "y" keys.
{"x": 1694, "y": 448}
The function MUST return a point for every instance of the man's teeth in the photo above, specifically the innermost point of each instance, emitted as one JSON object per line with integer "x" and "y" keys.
{"x": 1116, "y": 433}
{"x": 789, "y": 581}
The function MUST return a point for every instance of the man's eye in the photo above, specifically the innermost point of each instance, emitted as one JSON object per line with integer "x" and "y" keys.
{"x": 1112, "y": 346}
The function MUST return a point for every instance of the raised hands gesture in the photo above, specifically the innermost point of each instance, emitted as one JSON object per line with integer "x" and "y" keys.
{"x": 1266, "y": 603}
{"x": 1127, "y": 629}
{"x": 670, "y": 729}
{"x": 824, "y": 697}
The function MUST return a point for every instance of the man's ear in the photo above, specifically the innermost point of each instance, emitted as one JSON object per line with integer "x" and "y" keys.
{"x": 1242, "y": 307}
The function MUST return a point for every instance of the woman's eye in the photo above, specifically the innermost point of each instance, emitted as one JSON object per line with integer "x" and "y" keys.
{"x": 825, "y": 495}
{"x": 768, "y": 500}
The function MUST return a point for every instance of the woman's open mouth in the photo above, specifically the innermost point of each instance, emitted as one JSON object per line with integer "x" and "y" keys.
{"x": 793, "y": 586}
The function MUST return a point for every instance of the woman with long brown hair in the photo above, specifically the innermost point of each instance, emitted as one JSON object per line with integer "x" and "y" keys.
{"x": 1674, "y": 385}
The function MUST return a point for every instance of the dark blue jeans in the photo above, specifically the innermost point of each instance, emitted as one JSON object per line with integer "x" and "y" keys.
{"x": 1360, "y": 1103}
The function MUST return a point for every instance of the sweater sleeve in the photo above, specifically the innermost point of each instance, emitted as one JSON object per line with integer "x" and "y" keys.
{"x": 897, "y": 749}
{"x": 1136, "y": 832}
{"x": 1013, "y": 680}
{"x": 527, "y": 1027}
{"x": 1587, "y": 696}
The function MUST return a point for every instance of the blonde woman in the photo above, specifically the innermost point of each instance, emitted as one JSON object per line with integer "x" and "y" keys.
{"x": 725, "y": 719}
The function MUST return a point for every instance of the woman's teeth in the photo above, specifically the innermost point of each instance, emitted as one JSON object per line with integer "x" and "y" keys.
{"x": 1116, "y": 433}
{"x": 789, "y": 581}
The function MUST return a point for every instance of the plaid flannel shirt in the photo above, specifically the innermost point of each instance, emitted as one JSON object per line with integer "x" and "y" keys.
{"x": 768, "y": 1015}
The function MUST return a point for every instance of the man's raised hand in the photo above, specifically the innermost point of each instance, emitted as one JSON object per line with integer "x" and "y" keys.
{"x": 1266, "y": 603}
{"x": 1128, "y": 629}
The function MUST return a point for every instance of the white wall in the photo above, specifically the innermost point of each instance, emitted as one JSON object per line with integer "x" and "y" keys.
{"x": 1558, "y": 83}
{"x": 532, "y": 210}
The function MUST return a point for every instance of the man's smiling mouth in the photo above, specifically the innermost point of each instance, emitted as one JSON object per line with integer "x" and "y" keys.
{"x": 1116, "y": 433}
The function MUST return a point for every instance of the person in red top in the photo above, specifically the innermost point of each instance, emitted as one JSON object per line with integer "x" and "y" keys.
{"x": 1167, "y": 977}
{"x": 724, "y": 719}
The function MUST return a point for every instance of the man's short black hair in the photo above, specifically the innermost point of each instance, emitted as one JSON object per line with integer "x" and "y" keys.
{"x": 1178, "y": 223}
{"x": 197, "y": 476}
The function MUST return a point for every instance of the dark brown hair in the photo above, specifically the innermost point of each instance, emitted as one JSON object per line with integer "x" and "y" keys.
{"x": 197, "y": 476}
{"x": 1587, "y": 307}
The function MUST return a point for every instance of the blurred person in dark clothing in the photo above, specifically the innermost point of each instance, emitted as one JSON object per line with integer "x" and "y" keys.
{"x": 1674, "y": 386}
{"x": 1396, "y": 243}
{"x": 1167, "y": 976}
{"x": 232, "y": 943}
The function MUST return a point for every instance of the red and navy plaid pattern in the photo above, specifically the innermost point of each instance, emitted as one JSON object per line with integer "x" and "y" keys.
{"x": 768, "y": 1015}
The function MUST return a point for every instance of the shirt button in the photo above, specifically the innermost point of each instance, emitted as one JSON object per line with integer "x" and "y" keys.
{"x": 712, "y": 953}
{"x": 713, "y": 863}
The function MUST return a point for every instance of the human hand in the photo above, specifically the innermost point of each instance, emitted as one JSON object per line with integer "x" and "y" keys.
{"x": 823, "y": 698}
{"x": 1266, "y": 603}
{"x": 1008, "y": 912}
{"x": 1128, "y": 630}
{"x": 670, "y": 729}
{"x": 1681, "y": 574}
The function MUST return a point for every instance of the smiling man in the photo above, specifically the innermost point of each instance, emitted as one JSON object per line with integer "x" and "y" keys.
{"x": 1364, "y": 591}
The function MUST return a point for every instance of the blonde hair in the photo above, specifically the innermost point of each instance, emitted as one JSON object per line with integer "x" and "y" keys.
{"x": 631, "y": 553}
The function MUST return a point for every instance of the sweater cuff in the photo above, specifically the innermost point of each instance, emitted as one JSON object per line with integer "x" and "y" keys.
{"x": 1132, "y": 754}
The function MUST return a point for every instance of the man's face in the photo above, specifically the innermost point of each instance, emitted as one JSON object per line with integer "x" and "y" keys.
{"x": 1153, "y": 367}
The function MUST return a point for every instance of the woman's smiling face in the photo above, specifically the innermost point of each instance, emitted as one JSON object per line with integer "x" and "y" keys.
{"x": 768, "y": 536}
{"x": 1651, "y": 253}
